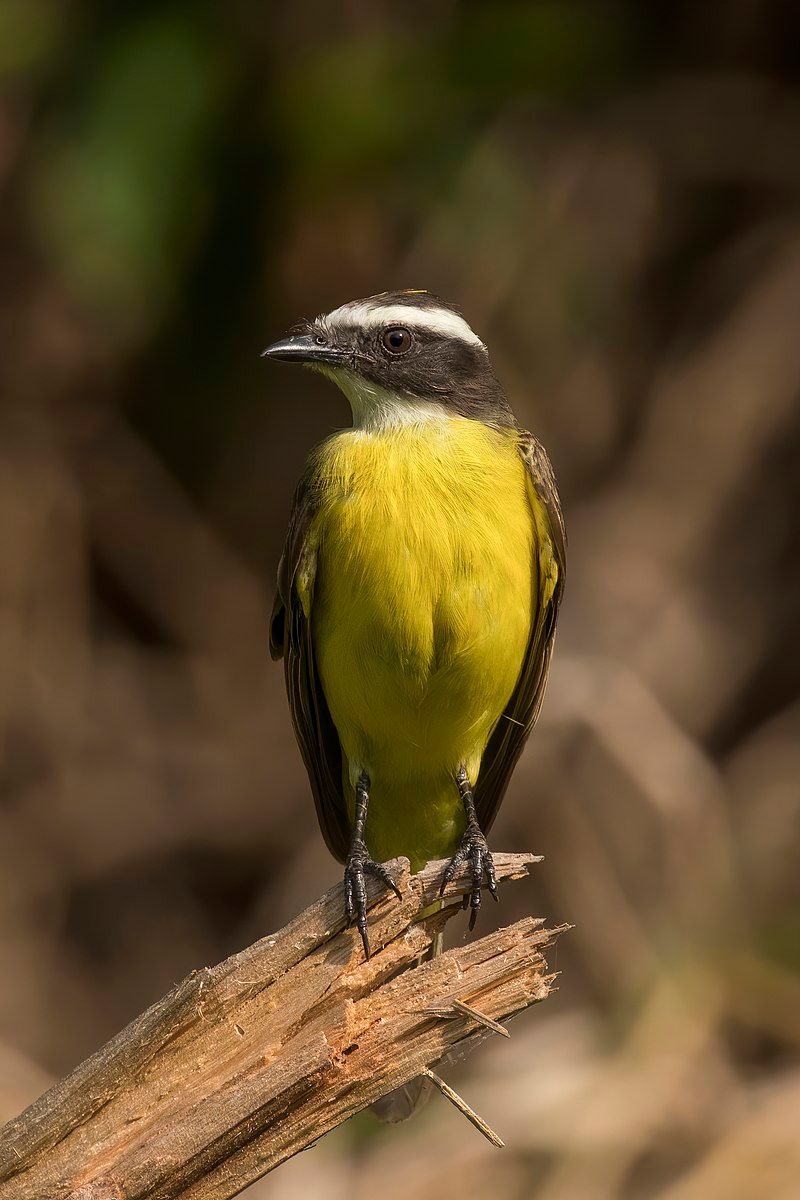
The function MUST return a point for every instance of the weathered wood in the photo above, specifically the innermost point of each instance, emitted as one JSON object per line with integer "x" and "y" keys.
{"x": 244, "y": 1064}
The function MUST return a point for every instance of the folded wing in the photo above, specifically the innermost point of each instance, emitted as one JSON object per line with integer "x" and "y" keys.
{"x": 290, "y": 639}
{"x": 511, "y": 731}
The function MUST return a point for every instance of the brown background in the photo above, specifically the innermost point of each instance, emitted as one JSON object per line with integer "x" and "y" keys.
{"x": 611, "y": 191}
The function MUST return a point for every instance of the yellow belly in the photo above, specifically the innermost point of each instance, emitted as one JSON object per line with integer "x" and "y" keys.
{"x": 421, "y": 614}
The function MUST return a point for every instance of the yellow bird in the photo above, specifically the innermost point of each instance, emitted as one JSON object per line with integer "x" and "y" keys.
{"x": 418, "y": 592}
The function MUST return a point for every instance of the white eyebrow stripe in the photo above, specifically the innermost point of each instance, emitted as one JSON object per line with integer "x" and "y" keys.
{"x": 437, "y": 320}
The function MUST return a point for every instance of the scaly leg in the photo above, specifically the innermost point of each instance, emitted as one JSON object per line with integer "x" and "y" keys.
{"x": 474, "y": 850}
{"x": 360, "y": 864}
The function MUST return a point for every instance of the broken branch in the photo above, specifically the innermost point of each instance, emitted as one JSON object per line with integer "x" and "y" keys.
{"x": 244, "y": 1064}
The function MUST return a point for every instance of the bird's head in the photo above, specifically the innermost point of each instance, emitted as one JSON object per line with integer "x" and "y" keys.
{"x": 400, "y": 357}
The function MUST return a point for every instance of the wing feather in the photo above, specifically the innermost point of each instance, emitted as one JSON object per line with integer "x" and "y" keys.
{"x": 290, "y": 639}
{"x": 512, "y": 730}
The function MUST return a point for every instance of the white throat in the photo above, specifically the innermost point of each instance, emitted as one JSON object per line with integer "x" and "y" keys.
{"x": 375, "y": 409}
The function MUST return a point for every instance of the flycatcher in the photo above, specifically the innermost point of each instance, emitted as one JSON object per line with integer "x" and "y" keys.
{"x": 418, "y": 592}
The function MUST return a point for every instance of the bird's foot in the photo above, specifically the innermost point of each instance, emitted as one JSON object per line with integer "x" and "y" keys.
{"x": 473, "y": 850}
{"x": 358, "y": 865}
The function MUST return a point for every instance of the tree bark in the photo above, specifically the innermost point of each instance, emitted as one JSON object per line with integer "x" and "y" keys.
{"x": 244, "y": 1064}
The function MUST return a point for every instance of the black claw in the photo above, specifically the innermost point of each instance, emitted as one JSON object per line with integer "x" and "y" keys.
{"x": 491, "y": 878}
{"x": 365, "y": 942}
{"x": 358, "y": 865}
{"x": 475, "y": 852}
{"x": 378, "y": 870}
{"x": 455, "y": 862}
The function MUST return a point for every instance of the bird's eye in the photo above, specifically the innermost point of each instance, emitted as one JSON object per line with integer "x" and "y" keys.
{"x": 396, "y": 340}
{"x": 320, "y": 339}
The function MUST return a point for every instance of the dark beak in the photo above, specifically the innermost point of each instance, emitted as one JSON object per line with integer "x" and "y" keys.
{"x": 303, "y": 348}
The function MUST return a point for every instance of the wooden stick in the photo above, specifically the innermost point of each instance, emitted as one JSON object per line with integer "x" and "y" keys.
{"x": 244, "y": 1064}
{"x": 460, "y": 1103}
{"x": 460, "y": 1008}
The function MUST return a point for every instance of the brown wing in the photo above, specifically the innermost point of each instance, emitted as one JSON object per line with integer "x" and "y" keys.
{"x": 511, "y": 731}
{"x": 290, "y": 639}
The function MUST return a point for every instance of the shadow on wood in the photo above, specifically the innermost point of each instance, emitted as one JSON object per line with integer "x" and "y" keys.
{"x": 244, "y": 1064}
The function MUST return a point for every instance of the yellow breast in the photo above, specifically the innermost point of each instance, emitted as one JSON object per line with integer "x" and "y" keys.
{"x": 423, "y": 592}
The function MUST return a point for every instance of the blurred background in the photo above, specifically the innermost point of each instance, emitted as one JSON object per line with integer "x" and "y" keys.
{"x": 611, "y": 191}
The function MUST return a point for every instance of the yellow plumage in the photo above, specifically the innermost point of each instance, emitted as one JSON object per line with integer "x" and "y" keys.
{"x": 422, "y": 609}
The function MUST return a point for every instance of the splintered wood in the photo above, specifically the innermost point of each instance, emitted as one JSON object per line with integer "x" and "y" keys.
{"x": 244, "y": 1064}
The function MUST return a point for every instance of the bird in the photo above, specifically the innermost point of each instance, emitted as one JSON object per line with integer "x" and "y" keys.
{"x": 417, "y": 594}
